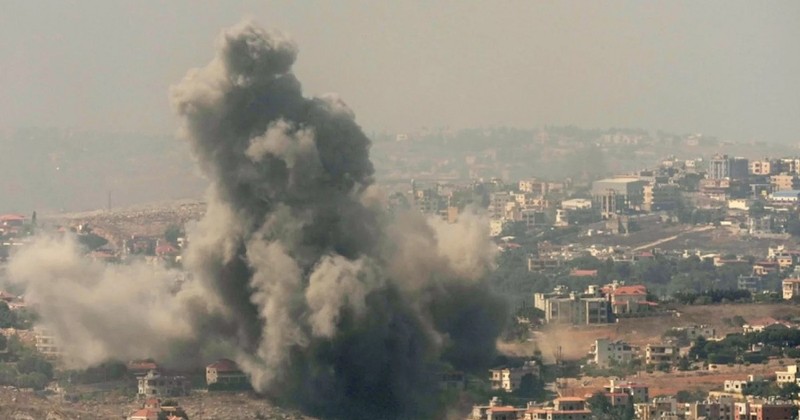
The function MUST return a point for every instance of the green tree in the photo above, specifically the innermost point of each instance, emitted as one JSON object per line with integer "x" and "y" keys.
{"x": 757, "y": 209}
{"x": 788, "y": 391}
{"x": 7, "y": 317}
{"x": 32, "y": 363}
{"x": 35, "y": 380}
{"x": 172, "y": 233}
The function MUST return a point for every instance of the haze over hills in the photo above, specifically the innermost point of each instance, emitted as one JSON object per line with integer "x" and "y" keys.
{"x": 54, "y": 170}
{"x": 51, "y": 170}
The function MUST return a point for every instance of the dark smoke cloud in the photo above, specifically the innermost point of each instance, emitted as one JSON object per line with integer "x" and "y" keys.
{"x": 325, "y": 301}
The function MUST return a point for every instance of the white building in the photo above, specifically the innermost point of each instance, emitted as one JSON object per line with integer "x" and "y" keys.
{"x": 509, "y": 379}
{"x": 576, "y": 204}
{"x": 154, "y": 384}
{"x": 606, "y": 352}
{"x": 787, "y": 376}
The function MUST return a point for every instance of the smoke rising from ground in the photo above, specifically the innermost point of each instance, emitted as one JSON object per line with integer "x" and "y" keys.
{"x": 327, "y": 302}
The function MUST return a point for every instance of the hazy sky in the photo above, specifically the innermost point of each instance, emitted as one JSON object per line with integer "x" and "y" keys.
{"x": 727, "y": 68}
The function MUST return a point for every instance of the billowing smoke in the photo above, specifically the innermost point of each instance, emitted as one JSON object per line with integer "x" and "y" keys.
{"x": 326, "y": 301}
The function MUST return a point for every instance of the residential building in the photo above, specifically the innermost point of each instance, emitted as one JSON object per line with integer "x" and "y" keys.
{"x": 784, "y": 182}
{"x": 764, "y": 167}
{"x": 720, "y": 408}
{"x": 574, "y": 309}
{"x": 564, "y": 408}
{"x": 154, "y": 384}
{"x": 533, "y": 186}
{"x": 739, "y": 386}
{"x": 145, "y": 414}
{"x": 452, "y": 379}
{"x": 695, "y": 331}
{"x": 657, "y": 197}
{"x": 505, "y": 413}
{"x": 658, "y": 408}
{"x": 618, "y": 195}
{"x": 720, "y": 167}
{"x": 576, "y": 204}
{"x": 629, "y": 299}
{"x": 791, "y": 288}
{"x": 772, "y": 409}
{"x": 46, "y": 344}
{"x": 751, "y": 283}
{"x": 637, "y": 392}
{"x": 225, "y": 372}
{"x": 498, "y": 202}
{"x": 787, "y": 376}
{"x": 607, "y": 352}
{"x": 661, "y": 353}
{"x": 509, "y": 378}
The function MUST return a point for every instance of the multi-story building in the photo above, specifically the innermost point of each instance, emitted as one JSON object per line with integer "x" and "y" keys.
{"x": 225, "y": 372}
{"x": 720, "y": 408}
{"x": 753, "y": 284}
{"x": 791, "y": 288}
{"x": 764, "y": 167}
{"x": 639, "y": 393}
{"x": 573, "y": 309}
{"x": 46, "y": 344}
{"x": 769, "y": 410}
{"x": 661, "y": 353}
{"x": 154, "y": 384}
{"x": 618, "y": 195}
{"x": 509, "y": 378}
{"x": 790, "y": 165}
{"x": 606, "y": 352}
{"x": 564, "y": 408}
{"x": 498, "y": 202}
{"x": 659, "y": 197}
{"x": 576, "y": 204}
{"x": 788, "y": 376}
{"x": 659, "y": 408}
{"x": 695, "y": 331}
{"x": 739, "y": 386}
{"x": 628, "y": 299}
{"x": 720, "y": 167}
{"x": 784, "y": 182}
{"x": 533, "y": 186}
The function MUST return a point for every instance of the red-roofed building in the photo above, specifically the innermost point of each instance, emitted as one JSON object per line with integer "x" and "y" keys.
{"x": 564, "y": 408}
{"x": 507, "y": 412}
{"x": 166, "y": 250}
{"x": 11, "y": 219}
{"x": 141, "y": 367}
{"x": 583, "y": 273}
{"x": 11, "y": 223}
{"x": 629, "y": 299}
{"x": 145, "y": 414}
{"x": 7, "y": 297}
{"x": 225, "y": 372}
{"x": 760, "y": 324}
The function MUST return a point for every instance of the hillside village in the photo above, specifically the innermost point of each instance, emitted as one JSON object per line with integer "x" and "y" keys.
{"x": 604, "y": 280}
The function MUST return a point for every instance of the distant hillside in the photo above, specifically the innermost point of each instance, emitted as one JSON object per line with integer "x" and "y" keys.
{"x": 62, "y": 170}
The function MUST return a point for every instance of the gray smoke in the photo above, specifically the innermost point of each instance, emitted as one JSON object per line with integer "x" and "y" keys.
{"x": 328, "y": 303}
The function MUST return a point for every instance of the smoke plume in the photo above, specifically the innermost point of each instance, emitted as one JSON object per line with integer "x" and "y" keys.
{"x": 325, "y": 300}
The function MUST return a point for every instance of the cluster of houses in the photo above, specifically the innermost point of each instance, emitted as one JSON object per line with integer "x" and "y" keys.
{"x": 155, "y": 385}
{"x": 721, "y": 182}
{"x": 731, "y": 403}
